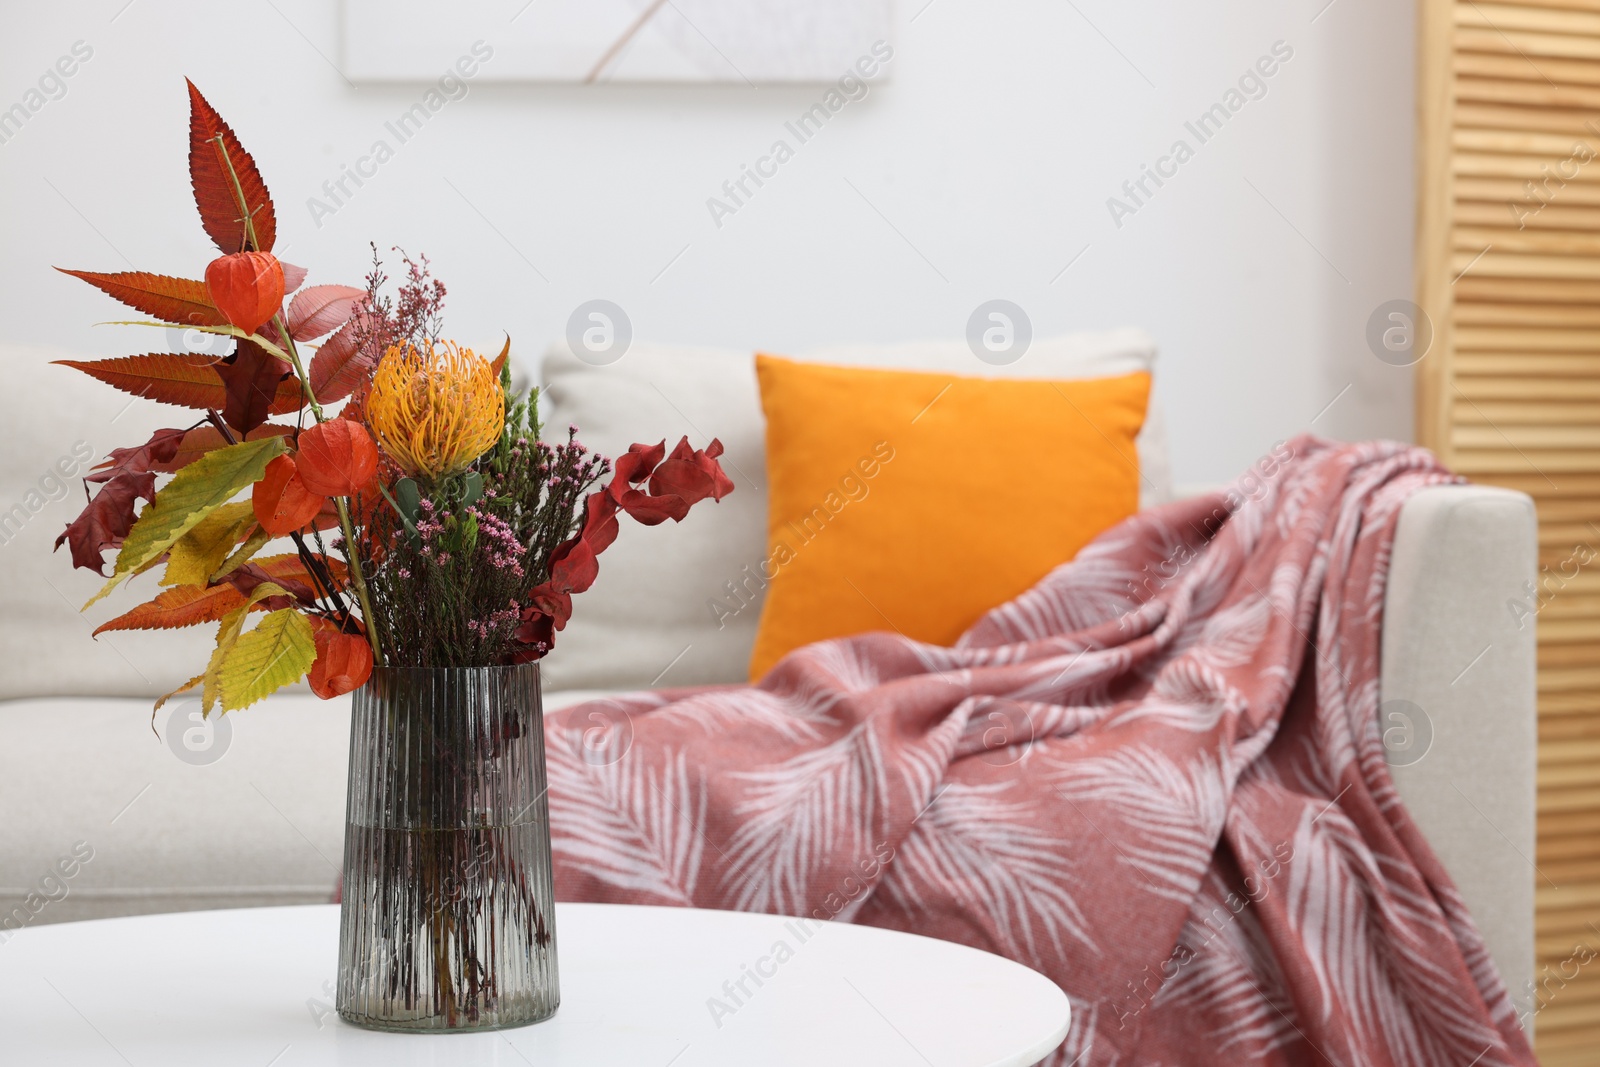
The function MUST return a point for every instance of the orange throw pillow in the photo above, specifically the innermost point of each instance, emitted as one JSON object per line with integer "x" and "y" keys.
{"x": 915, "y": 502}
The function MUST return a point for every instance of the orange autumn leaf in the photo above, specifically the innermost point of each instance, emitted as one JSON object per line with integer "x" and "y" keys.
{"x": 186, "y": 379}
{"x": 178, "y": 300}
{"x": 213, "y": 185}
{"x": 184, "y": 605}
{"x": 191, "y": 605}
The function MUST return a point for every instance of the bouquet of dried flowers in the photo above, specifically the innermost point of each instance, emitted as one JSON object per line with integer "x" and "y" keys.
{"x": 428, "y": 523}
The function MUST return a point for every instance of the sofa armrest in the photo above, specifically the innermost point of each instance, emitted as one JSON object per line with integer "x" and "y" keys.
{"x": 1458, "y": 694}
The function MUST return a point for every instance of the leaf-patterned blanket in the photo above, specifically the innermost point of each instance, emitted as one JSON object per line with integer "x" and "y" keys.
{"x": 1156, "y": 777}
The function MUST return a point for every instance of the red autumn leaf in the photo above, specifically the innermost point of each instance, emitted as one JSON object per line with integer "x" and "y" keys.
{"x": 154, "y": 455}
{"x": 574, "y": 566}
{"x": 636, "y": 466}
{"x": 202, "y": 439}
{"x": 290, "y": 397}
{"x": 297, "y": 584}
{"x": 281, "y": 501}
{"x": 213, "y": 185}
{"x": 536, "y": 635}
{"x": 293, "y": 277}
{"x": 106, "y": 520}
{"x": 321, "y": 309}
{"x": 253, "y": 382}
{"x": 187, "y": 379}
{"x": 576, "y": 570}
{"x": 339, "y": 365}
{"x": 184, "y": 605}
{"x": 247, "y": 288}
{"x": 336, "y": 458}
{"x": 289, "y": 572}
{"x": 177, "y": 300}
{"x": 691, "y": 474}
{"x": 291, "y": 567}
{"x": 677, "y": 482}
{"x": 344, "y": 661}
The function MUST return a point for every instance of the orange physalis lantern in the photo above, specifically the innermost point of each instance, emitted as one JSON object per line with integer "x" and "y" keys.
{"x": 336, "y": 458}
{"x": 344, "y": 661}
{"x": 281, "y": 501}
{"x": 247, "y": 288}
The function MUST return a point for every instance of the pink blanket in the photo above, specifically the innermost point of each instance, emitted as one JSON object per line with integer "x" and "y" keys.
{"x": 1156, "y": 777}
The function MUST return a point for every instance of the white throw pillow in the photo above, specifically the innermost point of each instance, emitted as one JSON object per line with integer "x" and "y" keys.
{"x": 649, "y": 619}
{"x": 58, "y": 422}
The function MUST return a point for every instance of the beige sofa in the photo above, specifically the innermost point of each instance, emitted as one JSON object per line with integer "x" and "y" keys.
{"x": 103, "y": 812}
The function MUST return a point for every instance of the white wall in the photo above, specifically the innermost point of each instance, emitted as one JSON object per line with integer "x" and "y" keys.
{"x": 1007, "y": 125}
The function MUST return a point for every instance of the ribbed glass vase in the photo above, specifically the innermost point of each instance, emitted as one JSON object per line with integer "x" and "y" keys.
{"x": 448, "y": 915}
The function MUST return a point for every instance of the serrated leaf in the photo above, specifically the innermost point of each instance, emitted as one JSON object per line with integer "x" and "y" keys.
{"x": 191, "y": 605}
{"x": 339, "y": 365}
{"x": 213, "y": 186}
{"x": 173, "y": 609}
{"x": 290, "y": 567}
{"x": 321, "y": 308}
{"x": 183, "y": 301}
{"x": 278, "y": 652}
{"x": 202, "y": 439}
{"x": 254, "y": 543}
{"x": 253, "y": 382}
{"x": 184, "y": 502}
{"x": 227, "y": 636}
{"x": 106, "y": 520}
{"x": 188, "y": 380}
{"x": 184, "y": 688}
{"x": 293, "y": 276}
{"x": 197, "y": 555}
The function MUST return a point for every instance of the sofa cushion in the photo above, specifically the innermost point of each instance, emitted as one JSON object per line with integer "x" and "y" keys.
{"x": 58, "y": 423}
{"x": 652, "y": 617}
{"x": 916, "y": 501}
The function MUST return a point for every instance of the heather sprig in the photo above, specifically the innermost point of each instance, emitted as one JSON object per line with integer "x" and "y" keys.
{"x": 449, "y": 590}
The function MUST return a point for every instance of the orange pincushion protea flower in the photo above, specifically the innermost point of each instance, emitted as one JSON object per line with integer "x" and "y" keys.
{"x": 434, "y": 410}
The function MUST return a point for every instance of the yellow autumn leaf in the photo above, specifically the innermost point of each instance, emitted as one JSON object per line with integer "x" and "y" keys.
{"x": 181, "y": 504}
{"x": 244, "y": 554}
{"x": 196, "y": 555}
{"x": 276, "y": 653}
{"x": 227, "y": 637}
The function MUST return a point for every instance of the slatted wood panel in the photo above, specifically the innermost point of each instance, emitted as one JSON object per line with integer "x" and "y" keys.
{"x": 1509, "y": 273}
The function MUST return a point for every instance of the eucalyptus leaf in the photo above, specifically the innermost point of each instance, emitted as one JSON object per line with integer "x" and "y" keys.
{"x": 408, "y": 499}
{"x": 471, "y": 488}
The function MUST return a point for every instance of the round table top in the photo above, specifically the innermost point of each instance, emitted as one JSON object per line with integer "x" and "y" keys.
{"x": 641, "y": 987}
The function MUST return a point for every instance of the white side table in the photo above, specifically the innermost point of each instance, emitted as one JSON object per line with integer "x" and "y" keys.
{"x": 640, "y": 987}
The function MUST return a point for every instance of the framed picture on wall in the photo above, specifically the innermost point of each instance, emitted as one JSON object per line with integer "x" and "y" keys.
{"x": 597, "y": 41}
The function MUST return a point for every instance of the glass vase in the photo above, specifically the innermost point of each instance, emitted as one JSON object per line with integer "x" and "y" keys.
{"x": 447, "y": 918}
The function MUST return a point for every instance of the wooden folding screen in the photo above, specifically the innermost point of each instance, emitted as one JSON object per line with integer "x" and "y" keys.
{"x": 1508, "y": 271}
